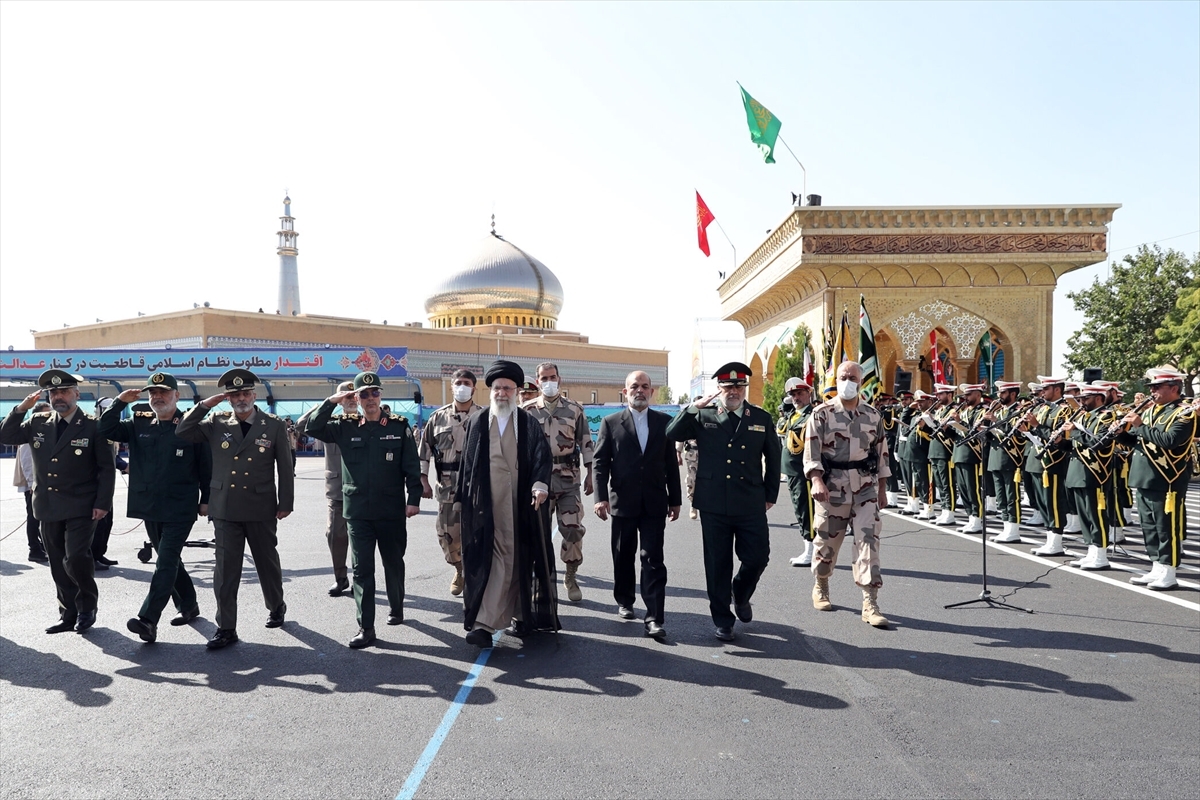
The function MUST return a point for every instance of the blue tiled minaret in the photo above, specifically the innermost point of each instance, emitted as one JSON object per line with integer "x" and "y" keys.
{"x": 289, "y": 279}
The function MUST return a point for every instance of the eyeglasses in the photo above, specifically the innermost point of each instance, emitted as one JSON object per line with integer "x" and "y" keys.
{"x": 370, "y": 393}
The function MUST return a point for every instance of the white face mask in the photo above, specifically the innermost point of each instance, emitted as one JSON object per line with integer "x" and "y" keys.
{"x": 847, "y": 389}
{"x": 463, "y": 393}
{"x": 550, "y": 388}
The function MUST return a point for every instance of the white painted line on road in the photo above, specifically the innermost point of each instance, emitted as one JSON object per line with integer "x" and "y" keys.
{"x": 1096, "y": 576}
{"x": 413, "y": 782}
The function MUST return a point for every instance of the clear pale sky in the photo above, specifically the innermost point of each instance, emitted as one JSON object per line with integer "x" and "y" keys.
{"x": 145, "y": 147}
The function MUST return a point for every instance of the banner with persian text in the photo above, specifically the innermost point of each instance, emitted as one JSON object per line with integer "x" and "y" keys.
{"x": 333, "y": 362}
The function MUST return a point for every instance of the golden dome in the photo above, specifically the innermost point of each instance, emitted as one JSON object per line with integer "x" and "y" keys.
{"x": 501, "y": 285}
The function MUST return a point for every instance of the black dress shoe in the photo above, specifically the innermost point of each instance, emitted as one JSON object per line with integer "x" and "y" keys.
{"x": 39, "y": 556}
{"x": 222, "y": 638}
{"x": 518, "y": 628}
{"x": 108, "y": 562}
{"x": 395, "y": 619}
{"x": 725, "y": 634}
{"x": 744, "y": 612}
{"x": 657, "y": 632}
{"x": 339, "y": 586}
{"x": 85, "y": 620}
{"x": 480, "y": 638}
{"x": 275, "y": 618}
{"x": 365, "y": 637}
{"x": 625, "y": 612}
{"x": 144, "y": 628}
{"x": 62, "y": 626}
{"x": 184, "y": 617}
{"x": 100, "y": 565}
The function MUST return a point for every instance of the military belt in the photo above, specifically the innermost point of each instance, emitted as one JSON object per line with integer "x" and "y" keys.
{"x": 572, "y": 459}
{"x": 446, "y": 466}
{"x": 869, "y": 464}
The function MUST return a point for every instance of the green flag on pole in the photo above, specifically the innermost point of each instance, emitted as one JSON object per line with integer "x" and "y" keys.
{"x": 987, "y": 357}
{"x": 872, "y": 375}
{"x": 764, "y": 126}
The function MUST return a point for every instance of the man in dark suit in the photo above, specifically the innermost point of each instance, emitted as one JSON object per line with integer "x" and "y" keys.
{"x": 74, "y": 477}
{"x": 246, "y": 504}
{"x": 634, "y": 455}
{"x": 737, "y": 482}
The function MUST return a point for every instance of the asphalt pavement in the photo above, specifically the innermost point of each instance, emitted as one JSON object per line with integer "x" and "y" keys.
{"x": 1095, "y": 694}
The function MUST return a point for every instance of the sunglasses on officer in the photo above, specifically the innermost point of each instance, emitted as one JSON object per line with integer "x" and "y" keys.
{"x": 364, "y": 393}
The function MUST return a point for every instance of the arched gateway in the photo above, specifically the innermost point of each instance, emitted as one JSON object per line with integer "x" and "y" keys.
{"x": 958, "y": 272}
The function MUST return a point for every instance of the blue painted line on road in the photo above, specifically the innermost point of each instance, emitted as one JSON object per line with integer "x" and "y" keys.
{"x": 413, "y": 782}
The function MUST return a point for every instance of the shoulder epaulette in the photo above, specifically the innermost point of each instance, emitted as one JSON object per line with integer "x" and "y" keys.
{"x": 352, "y": 416}
{"x": 45, "y": 414}
{"x": 144, "y": 414}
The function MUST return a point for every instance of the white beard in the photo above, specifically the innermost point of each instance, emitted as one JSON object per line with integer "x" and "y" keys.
{"x": 502, "y": 408}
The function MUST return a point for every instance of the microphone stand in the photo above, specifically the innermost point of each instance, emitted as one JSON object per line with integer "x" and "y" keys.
{"x": 985, "y": 596}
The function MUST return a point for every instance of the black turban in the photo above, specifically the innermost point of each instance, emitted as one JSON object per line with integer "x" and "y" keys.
{"x": 504, "y": 369}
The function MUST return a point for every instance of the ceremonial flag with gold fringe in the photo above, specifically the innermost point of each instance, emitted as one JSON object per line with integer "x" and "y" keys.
{"x": 840, "y": 354}
{"x": 764, "y": 126}
{"x": 704, "y": 217}
{"x": 872, "y": 377}
{"x": 935, "y": 363}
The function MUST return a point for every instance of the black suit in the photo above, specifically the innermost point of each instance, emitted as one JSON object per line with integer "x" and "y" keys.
{"x": 639, "y": 487}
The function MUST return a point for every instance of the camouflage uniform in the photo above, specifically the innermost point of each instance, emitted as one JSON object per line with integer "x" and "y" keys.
{"x": 442, "y": 439}
{"x": 691, "y": 458}
{"x": 565, "y": 425}
{"x": 837, "y": 437}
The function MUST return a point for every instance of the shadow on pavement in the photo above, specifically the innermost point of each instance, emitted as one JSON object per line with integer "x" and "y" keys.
{"x": 24, "y": 666}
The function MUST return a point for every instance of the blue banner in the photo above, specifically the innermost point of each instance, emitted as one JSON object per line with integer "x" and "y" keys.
{"x": 27, "y": 365}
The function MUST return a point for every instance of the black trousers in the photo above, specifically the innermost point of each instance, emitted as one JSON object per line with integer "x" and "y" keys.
{"x": 69, "y": 547}
{"x": 724, "y": 535}
{"x": 32, "y": 528}
{"x": 101, "y": 534}
{"x": 625, "y": 534}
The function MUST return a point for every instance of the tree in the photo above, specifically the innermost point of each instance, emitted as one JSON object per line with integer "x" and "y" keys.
{"x": 789, "y": 364}
{"x": 662, "y": 395}
{"x": 683, "y": 399}
{"x": 1178, "y": 335}
{"x": 1122, "y": 314}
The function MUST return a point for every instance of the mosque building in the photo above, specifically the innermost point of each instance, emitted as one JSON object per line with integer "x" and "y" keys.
{"x": 503, "y": 302}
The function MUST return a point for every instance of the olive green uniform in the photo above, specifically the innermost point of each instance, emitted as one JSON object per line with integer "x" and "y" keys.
{"x": 379, "y": 464}
{"x": 1089, "y": 472}
{"x": 792, "y": 465}
{"x": 1003, "y": 464}
{"x": 1160, "y": 469}
{"x": 245, "y": 499}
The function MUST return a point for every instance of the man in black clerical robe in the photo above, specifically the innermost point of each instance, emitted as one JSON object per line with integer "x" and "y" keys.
{"x": 518, "y": 550}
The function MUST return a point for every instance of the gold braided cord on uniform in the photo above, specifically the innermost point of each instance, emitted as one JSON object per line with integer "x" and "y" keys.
{"x": 1054, "y": 419}
{"x": 1098, "y": 461}
{"x": 1170, "y": 464}
{"x": 795, "y": 435}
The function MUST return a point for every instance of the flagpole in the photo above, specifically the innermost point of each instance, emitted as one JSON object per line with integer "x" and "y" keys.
{"x": 734, "y": 249}
{"x": 804, "y": 190}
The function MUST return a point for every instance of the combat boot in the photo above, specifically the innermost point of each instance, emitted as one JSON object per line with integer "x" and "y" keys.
{"x": 456, "y": 585}
{"x": 870, "y": 612}
{"x": 821, "y": 595}
{"x": 574, "y": 594}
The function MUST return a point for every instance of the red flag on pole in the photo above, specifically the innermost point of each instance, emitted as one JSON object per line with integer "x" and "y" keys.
{"x": 810, "y": 373}
{"x": 935, "y": 363}
{"x": 703, "y": 218}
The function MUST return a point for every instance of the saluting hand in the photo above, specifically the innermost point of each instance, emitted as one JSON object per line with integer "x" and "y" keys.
{"x": 340, "y": 396}
{"x": 130, "y": 395}
{"x": 213, "y": 402}
{"x": 30, "y": 401}
{"x": 704, "y": 402}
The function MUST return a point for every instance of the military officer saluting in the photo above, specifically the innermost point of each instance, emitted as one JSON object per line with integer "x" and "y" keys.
{"x": 737, "y": 482}
{"x": 566, "y": 427}
{"x": 1160, "y": 469}
{"x": 249, "y": 447}
{"x": 74, "y": 473}
{"x": 379, "y": 468}
{"x": 442, "y": 441}
{"x": 168, "y": 487}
